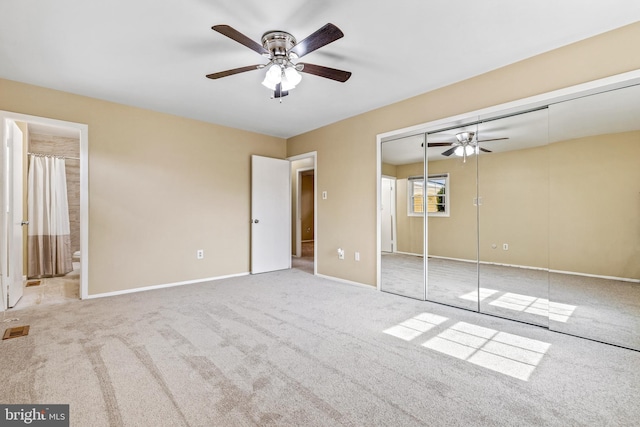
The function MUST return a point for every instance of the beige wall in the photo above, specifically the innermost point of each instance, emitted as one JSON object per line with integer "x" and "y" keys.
{"x": 347, "y": 149}
{"x": 389, "y": 170}
{"x": 161, "y": 187}
{"x": 410, "y": 229}
{"x": 455, "y": 236}
{"x": 514, "y": 189}
{"x": 594, "y": 205}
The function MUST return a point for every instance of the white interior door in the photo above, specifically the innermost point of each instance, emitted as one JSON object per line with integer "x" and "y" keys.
{"x": 270, "y": 214}
{"x": 13, "y": 208}
{"x": 387, "y": 214}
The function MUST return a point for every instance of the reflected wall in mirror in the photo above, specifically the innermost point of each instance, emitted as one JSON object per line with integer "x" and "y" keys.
{"x": 594, "y": 220}
{"x": 401, "y": 217}
{"x": 513, "y": 190}
{"x": 452, "y": 269}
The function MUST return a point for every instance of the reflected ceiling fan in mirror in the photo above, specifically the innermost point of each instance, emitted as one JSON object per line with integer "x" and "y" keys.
{"x": 465, "y": 145}
{"x": 282, "y": 50}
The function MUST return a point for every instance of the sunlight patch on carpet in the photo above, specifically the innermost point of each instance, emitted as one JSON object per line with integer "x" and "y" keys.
{"x": 508, "y": 354}
{"x": 523, "y": 303}
{"x": 416, "y": 326}
{"x": 484, "y": 294}
{"x": 561, "y": 312}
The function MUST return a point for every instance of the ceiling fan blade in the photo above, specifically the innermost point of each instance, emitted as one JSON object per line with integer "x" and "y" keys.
{"x": 329, "y": 73}
{"x": 485, "y": 150}
{"x": 325, "y": 35}
{"x": 279, "y": 93}
{"x": 233, "y": 71}
{"x": 236, "y": 35}
{"x": 494, "y": 139}
{"x": 449, "y": 152}
{"x": 439, "y": 144}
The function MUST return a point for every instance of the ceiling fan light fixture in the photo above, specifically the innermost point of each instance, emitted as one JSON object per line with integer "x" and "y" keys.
{"x": 272, "y": 77}
{"x": 292, "y": 77}
{"x": 465, "y": 150}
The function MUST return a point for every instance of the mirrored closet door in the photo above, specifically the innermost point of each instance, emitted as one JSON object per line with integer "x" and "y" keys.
{"x": 402, "y": 217}
{"x": 594, "y": 217}
{"x": 513, "y": 212}
{"x": 532, "y": 216}
{"x": 452, "y": 218}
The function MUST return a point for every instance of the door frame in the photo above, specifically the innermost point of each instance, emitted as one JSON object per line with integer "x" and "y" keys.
{"x": 83, "y": 130}
{"x": 314, "y": 156}
{"x": 394, "y": 211}
{"x": 12, "y": 265}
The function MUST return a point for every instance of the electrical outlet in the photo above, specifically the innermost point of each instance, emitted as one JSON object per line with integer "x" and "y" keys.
{"x": 505, "y": 246}
{"x": 340, "y": 253}
{"x": 200, "y": 254}
{"x": 324, "y": 195}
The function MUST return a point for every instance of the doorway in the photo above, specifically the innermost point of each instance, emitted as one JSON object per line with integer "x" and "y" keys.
{"x": 67, "y": 142}
{"x": 303, "y": 212}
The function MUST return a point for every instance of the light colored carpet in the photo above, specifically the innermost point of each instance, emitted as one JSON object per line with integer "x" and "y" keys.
{"x": 402, "y": 274}
{"x": 291, "y": 349}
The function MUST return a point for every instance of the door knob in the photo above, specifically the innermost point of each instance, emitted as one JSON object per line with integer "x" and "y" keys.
{"x": 24, "y": 223}
{"x": 256, "y": 221}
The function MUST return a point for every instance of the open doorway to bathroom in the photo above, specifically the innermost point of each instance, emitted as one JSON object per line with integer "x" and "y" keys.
{"x": 51, "y": 145}
{"x": 51, "y": 284}
{"x": 303, "y": 212}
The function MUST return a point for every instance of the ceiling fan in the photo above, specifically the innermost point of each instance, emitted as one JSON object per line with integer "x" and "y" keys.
{"x": 464, "y": 145}
{"x": 282, "y": 49}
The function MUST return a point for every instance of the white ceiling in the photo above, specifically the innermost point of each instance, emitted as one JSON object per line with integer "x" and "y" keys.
{"x": 155, "y": 54}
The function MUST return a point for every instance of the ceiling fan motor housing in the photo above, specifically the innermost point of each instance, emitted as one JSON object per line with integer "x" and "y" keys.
{"x": 278, "y": 43}
{"x": 465, "y": 137}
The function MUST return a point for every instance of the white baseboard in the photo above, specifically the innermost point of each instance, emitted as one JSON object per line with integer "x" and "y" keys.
{"x": 571, "y": 273}
{"x": 404, "y": 253}
{"x": 347, "y": 282}
{"x": 166, "y": 285}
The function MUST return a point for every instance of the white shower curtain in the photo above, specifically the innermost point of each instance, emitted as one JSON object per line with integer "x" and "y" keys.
{"x": 49, "y": 236}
